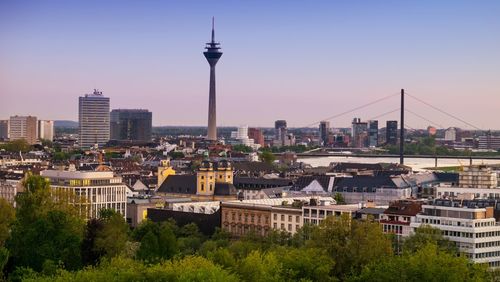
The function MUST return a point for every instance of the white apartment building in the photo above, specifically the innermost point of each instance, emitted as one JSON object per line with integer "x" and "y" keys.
{"x": 46, "y": 130}
{"x": 467, "y": 193}
{"x": 315, "y": 214}
{"x": 450, "y": 134}
{"x": 97, "y": 189}
{"x": 473, "y": 229}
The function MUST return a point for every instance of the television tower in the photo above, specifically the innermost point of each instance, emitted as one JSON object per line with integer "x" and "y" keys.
{"x": 212, "y": 54}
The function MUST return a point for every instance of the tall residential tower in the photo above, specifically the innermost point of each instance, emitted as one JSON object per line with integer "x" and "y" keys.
{"x": 212, "y": 55}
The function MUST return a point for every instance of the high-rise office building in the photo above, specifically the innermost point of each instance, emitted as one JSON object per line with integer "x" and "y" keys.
{"x": 212, "y": 54}
{"x": 359, "y": 133}
{"x": 256, "y": 135}
{"x": 46, "y": 130}
{"x": 93, "y": 117}
{"x": 324, "y": 130}
{"x": 391, "y": 132}
{"x": 131, "y": 125}
{"x": 280, "y": 132}
{"x": 4, "y": 129}
{"x": 373, "y": 133}
{"x": 23, "y": 127}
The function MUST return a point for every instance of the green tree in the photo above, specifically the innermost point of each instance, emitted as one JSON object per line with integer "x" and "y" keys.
{"x": 267, "y": 157}
{"x": 192, "y": 268}
{"x": 242, "y": 148}
{"x": 339, "y": 198}
{"x": 91, "y": 255}
{"x": 149, "y": 248}
{"x": 4, "y": 258}
{"x": 7, "y": 216}
{"x": 189, "y": 239}
{"x": 430, "y": 263}
{"x": 305, "y": 264}
{"x": 47, "y": 228}
{"x": 61, "y": 156}
{"x": 167, "y": 242}
{"x": 259, "y": 266}
{"x": 112, "y": 239}
{"x": 425, "y": 235}
{"x": 352, "y": 244}
{"x": 19, "y": 145}
{"x": 176, "y": 155}
{"x": 46, "y": 143}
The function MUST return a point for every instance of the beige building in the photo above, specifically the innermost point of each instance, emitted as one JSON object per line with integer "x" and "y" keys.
{"x": 23, "y": 127}
{"x": 9, "y": 189}
{"x": 478, "y": 176}
{"x": 137, "y": 209}
{"x": 242, "y": 217}
{"x": 286, "y": 218}
{"x": 94, "y": 190}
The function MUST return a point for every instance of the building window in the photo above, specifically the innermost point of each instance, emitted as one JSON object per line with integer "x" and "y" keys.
{"x": 275, "y": 216}
{"x": 282, "y": 217}
{"x": 202, "y": 187}
{"x": 289, "y": 227}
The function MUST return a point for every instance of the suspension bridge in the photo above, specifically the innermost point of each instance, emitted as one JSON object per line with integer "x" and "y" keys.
{"x": 402, "y": 110}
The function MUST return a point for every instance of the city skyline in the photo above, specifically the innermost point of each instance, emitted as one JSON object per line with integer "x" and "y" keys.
{"x": 302, "y": 64}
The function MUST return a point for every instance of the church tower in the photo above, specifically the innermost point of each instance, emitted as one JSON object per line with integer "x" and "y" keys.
{"x": 205, "y": 179}
{"x": 224, "y": 172}
{"x": 164, "y": 171}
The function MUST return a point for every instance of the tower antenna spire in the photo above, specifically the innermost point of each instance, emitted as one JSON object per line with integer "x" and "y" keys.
{"x": 213, "y": 29}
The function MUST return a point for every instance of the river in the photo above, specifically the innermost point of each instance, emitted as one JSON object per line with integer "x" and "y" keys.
{"x": 414, "y": 163}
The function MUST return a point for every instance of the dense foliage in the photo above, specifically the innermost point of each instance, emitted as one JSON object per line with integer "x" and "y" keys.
{"x": 242, "y": 148}
{"x": 47, "y": 240}
{"x": 16, "y": 146}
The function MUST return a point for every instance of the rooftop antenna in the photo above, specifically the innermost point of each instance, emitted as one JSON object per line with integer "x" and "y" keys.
{"x": 213, "y": 29}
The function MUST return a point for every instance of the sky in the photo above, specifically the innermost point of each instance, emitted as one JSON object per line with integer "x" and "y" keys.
{"x": 302, "y": 61}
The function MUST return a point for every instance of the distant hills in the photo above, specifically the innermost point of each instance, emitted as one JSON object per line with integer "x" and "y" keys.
{"x": 66, "y": 123}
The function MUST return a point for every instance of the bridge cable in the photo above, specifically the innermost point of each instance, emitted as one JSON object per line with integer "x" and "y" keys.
{"x": 384, "y": 114}
{"x": 354, "y": 109}
{"x": 442, "y": 111}
{"x": 424, "y": 118}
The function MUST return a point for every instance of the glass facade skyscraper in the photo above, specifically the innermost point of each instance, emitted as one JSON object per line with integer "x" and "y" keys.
{"x": 131, "y": 125}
